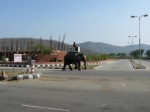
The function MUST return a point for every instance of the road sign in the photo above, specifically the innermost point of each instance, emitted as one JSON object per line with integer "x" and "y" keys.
{"x": 17, "y": 57}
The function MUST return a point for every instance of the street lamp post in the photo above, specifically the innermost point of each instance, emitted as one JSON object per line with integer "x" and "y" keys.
{"x": 132, "y": 44}
{"x": 139, "y": 17}
{"x": 128, "y": 45}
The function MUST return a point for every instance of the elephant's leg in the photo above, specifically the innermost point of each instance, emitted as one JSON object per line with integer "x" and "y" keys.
{"x": 64, "y": 67}
{"x": 76, "y": 66}
{"x": 79, "y": 65}
{"x": 70, "y": 67}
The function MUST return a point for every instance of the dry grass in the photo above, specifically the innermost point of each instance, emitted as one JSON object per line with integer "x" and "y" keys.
{"x": 11, "y": 73}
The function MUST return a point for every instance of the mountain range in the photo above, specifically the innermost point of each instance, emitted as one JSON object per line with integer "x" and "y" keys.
{"x": 22, "y": 44}
{"x": 99, "y": 47}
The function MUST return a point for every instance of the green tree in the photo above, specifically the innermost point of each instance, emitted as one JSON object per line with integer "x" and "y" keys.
{"x": 42, "y": 49}
{"x": 30, "y": 45}
{"x": 148, "y": 53}
{"x": 112, "y": 54}
{"x": 136, "y": 53}
{"x": 122, "y": 55}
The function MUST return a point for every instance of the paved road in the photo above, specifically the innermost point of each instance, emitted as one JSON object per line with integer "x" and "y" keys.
{"x": 106, "y": 90}
{"x": 121, "y": 64}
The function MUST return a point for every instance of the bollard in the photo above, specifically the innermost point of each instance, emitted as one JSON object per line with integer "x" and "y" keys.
{"x": 28, "y": 70}
{"x": 3, "y": 76}
{"x": 32, "y": 68}
{"x": 3, "y": 73}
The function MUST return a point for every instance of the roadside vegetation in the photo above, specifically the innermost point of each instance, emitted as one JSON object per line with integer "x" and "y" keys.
{"x": 136, "y": 53}
{"x": 11, "y": 73}
{"x": 100, "y": 57}
{"x": 132, "y": 55}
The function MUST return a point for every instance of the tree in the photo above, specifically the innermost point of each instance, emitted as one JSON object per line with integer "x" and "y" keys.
{"x": 50, "y": 42}
{"x": 148, "y": 53}
{"x": 11, "y": 43}
{"x": 30, "y": 45}
{"x": 136, "y": 53}
{"x": 4, "y": 45}
{"x": 42, "y": 49}
{"x": 17, "y": 44}
{"x": 112, "y": 54}
{"x": 122, "y": 55}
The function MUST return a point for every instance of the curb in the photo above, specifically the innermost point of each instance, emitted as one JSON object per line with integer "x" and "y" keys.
{"x": 48, "y": 65}
{"x": 137, "y": 66}
{"x": 27, "y": 76}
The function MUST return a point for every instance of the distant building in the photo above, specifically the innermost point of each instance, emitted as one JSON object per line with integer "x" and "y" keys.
{"x": 56, "y": 56}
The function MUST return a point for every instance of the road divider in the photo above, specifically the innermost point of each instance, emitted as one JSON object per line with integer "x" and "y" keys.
{"x": 136, "y": 65}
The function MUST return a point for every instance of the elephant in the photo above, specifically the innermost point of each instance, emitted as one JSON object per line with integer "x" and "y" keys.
{"x": 74, "y": 58}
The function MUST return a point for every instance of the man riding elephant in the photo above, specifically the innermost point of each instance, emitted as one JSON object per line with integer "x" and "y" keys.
{"x": 74, "y": 58}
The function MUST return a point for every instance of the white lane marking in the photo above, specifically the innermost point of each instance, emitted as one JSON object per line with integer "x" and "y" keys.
{"x": 123, "y": 84}
{"x": 31, "y": 106}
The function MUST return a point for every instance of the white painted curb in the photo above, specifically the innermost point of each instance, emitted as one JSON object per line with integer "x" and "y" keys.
{"x": 19, "y": 77}
{"x": 36, "y": 76}
{"x": 27, "y": 76}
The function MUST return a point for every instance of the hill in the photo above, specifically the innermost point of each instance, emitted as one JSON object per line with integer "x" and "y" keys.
{"x": 99, "y": 47}
{"x": 22, "y": 44}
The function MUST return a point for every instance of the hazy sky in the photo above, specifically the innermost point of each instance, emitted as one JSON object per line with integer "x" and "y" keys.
{"x": 107, "y": 21}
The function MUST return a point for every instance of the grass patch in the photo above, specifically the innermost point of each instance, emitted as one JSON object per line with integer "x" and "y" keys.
{"x": 11, "y": 73}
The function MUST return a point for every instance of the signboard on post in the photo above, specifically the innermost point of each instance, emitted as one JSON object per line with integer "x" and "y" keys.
{"x": 17, "y": 57}
{"x": 32, "y": 62}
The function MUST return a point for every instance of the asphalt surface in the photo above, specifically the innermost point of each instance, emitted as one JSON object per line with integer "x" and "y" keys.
{"x": 114, "y": 87}
{"x": 117, "y": 65}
